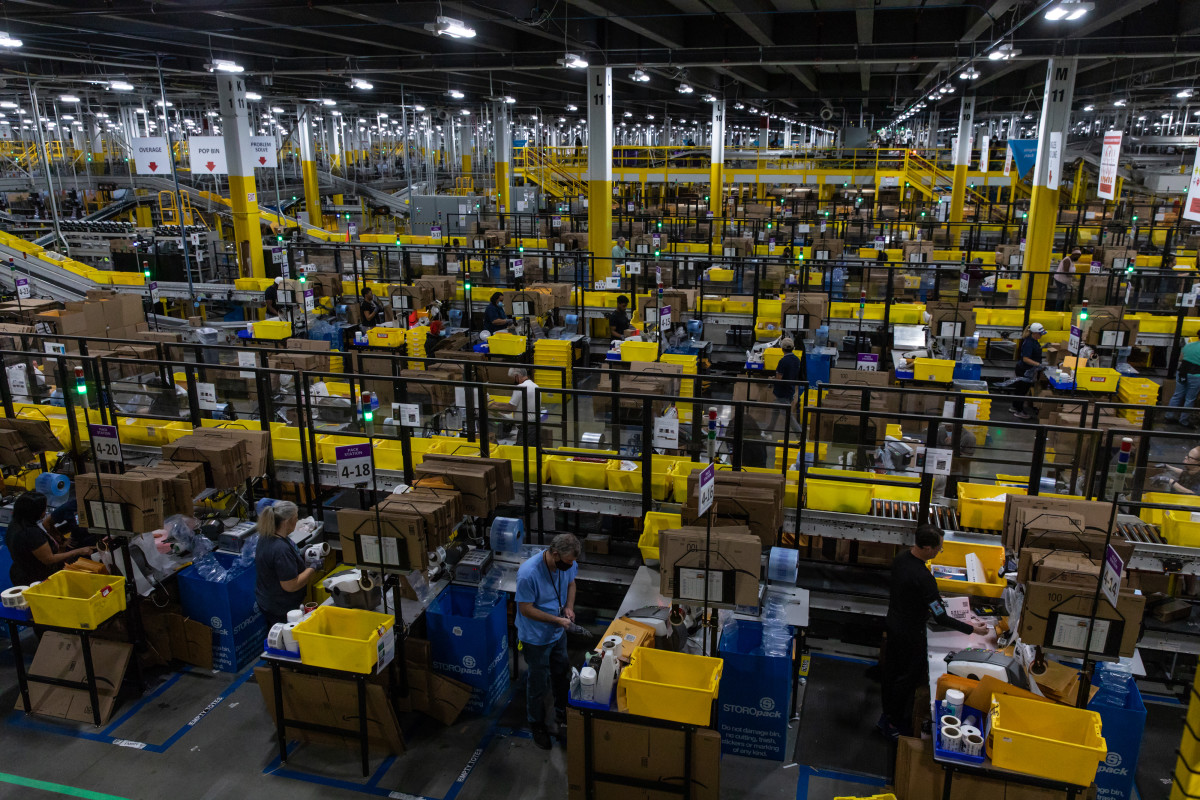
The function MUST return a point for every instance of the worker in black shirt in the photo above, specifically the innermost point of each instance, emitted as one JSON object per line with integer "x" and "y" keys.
{"x": 372, "y": 311}
{"x": 914, "y": 597}
{"x": 789, "y": 369}
{"x": 493, "y": 315}
{"x": 618, "y": 321}
{"x": 1029, "y": 357}
{"x": 271, "y": 296}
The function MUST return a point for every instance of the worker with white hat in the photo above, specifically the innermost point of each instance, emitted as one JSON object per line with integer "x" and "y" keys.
{"x": 1029, "y": 359}
{"x": 272, "y": 298}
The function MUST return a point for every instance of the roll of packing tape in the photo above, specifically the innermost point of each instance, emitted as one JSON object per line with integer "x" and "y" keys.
{"x": 952, "y": 739}
{"x": 319, "y": 550}
{"x": 14, "y": 597}
{"x": 295, "y": 615}
{"x": 365, "y": 581}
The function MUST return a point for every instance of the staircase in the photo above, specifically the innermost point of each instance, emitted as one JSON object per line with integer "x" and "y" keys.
{"x": 926, "y": 176}
{"x": 543, "y": 169}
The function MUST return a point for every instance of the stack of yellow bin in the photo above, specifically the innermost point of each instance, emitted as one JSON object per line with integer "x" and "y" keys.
{"x": 552, "y": 353}
{"x": 687, "y": 385}
{"x": 1138, "y": 392}
{"x": 415, "y": 339}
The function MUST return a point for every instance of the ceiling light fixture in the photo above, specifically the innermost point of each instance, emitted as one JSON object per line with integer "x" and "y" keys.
{"x": 359, "y": 83}
{"x": 1184, "y": 93}
{"x": 639, "y": 76}
{"x": 1089, "y": 108}
{"x": 120, "y": 86}
{"x": 572, "y": 61}
{"x": 1070, "y": 10}
{"x": 328, "y": 102}
{"x": 684, "y": 88}
{"x": 448, "y": 26}
{"x": 1119, "y": 103}
{"x": 8, "y": 41}
{"x": 1005, "y": 52}
{"x": 253, "y": 96}
{"x": 68, "y": 98}
{"x": 968, "y": 74}
{"x": 418, "y": 107}
{"x": 223, "y": 65}
{"x": 455, "y": 93}
{"x": 276, "y": 110}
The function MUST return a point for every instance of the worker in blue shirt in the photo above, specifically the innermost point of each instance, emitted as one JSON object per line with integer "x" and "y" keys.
{"x": 494, "y": 315}
{"x": 545, "y": 610}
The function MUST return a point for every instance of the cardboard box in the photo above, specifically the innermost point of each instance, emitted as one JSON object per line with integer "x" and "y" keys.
{"x": 333, "y": 702}
{"x": 182, "y": 482}
{"x": 298, "y": 360}
{"x": 1055, "y": 616}
{"x": 476, "y": 482}
{"x": 14, "y": 452}
{"x": 36, "y": 433}
{"x": 684, "y": 547}
{"x": 643, "y": 753}
{"x": 227, "y": 464}
{"x": 132, "y": 502}
{"x": 258, "y": 445}
{"x": 143, "y": 330}
{"x": 388, "y": 537}
{"x": 1022, "y": 513}
{"x": 60, "y": 656}
{"x": 500, "y": 470}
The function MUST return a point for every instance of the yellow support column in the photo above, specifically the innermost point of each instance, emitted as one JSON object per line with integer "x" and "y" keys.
{"x": 308, "y": 166}
{"x": 1078, "y": 192}
{"x": 962, "y": 159}
{"x": 243, "y": 195}
{"x": 1043, "y": 205}
{"x": 144, "y": 218}
{"x": 599, "y": 169}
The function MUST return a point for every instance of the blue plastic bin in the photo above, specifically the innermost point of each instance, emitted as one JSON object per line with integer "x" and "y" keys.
{"x": 230, "y": 609}
{"x": 1123, "y": 728}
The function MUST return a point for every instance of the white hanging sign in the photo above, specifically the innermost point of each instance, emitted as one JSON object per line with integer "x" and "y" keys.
{"x": 1055, "y": 156}
{"x": 207, "y": 155}
{"x": 1106, "y": 184}
{"x": 263, "y": 150}
{"x": 150, "y": 156}
{"x": 666, "y": 433}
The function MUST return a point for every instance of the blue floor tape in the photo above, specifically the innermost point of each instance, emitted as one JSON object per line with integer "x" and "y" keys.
{"x": 847, "y": 659}
{"x": 20, "y": 720}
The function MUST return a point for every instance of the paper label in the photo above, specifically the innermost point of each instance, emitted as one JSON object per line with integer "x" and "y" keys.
{"x": 666, "y": 433}
{"x": 410, "y": 415}
{"x": 247, "y": 360}
{"x": 1110, "y": 583}
{"x": 23, "y": 288}
{"x": 708, "y": 489}
{"x": 691, "y": 584}
{"x": 207, "y": 393}
{"x": 106, "y": 444}
{"x": 1071, "y": 633}
{"x": 353, "y": 464}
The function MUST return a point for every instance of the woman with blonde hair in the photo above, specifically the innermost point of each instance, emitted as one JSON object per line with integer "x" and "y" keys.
{"x": 282, "y": 573}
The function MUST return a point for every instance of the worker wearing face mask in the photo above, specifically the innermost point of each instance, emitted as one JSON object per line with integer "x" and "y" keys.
{"x": 546, "y": 609}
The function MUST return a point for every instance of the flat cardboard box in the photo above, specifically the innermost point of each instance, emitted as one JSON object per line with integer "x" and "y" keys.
{"x": 643, "y": 753}
{"x": 36, "y": 433}
{"x": 1021, "y": 512}
{"x": 758, "y": 508}
{"x": 139, "y": 499}
{"x": 1037, "y": 564}
{"x": 179, "y": 481}
{"x": 298, "y": 360}
{"x": 60, "y": 656}
{"x": 258, "y": 445}
{"x": 1055, "y": 616}
{"x": 476, "y": 483}
{"x": 333, "y": 702}
{"x": 684, "y": 547}
{"x": 227, "y": 464}
{"x": 144, "y": 330}
{"x": 14, "y": 452}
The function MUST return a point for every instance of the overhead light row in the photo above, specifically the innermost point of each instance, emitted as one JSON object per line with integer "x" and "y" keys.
{"x": 1069, "y": 10}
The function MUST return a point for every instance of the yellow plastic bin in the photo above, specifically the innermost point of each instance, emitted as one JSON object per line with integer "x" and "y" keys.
{"x": 673, "y": 686}
{"x": 841, "y": 496}
{"x": 679, "y": 478}
{"x": 1045, "y": 739}
{"x": 342, "y": 638}
{"x": 639, "y": 351}
{"x": 1182, "y": 528}
{"x": 1096, "y": 379}
{"x": 385, "y": 337}
{"x": 270, "y": 329}
{"x": 940, "y": 370}
{"x": 285, "y": 442}
{"x": 979, "y": 508}
{"x": 516, "y": 454}
{"x": 69, "y": 599}
{"x": 907, "y": 314}
{"x": 150, "y": 432}
{"x": 506, "y": 344}
{"x": 954, "y": 554}
{"x": 654, "y": 522}
{"x": 564, "y": 470}
{"x": 1155, "y": 516}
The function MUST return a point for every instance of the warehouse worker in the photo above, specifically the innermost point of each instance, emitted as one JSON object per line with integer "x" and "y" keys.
{"x": 1187, "y": 386}
{"x": 619, "y": 252}
{"x": 1186, "y": 478}
{"x": 546, "y": 609}
{"x": 525, "y": 396}
{"x": 618, "y": 321}
{"x": 271, "y": 296}
{"x": 493, "y": 315}
{"x": 370, "y": 308}
{"x": 1062, "y": 280}
{"x": 789, "y": 370}
{"x": 283, "y": 575}
{"x": 1029, "y": 357}
{"x": 36, "y": 552}
{"x": 914, "y": 596}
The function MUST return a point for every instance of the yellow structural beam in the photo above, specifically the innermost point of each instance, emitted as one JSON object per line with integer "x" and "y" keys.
{"x": 502, "y": 193}
{"x": 312, "y": 192}
{"x": 1039, "y": 241}
{"x": 600, "y": 223}
{"x": 247, "y": 226}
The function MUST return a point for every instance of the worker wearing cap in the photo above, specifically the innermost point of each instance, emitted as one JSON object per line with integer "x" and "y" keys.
{"x": 1029, "y": 357}
{"x": 271, "y": 296}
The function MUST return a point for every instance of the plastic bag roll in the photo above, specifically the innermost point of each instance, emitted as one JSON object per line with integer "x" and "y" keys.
{"x": 783, "y": 565}
{"x": 52, "y": 485}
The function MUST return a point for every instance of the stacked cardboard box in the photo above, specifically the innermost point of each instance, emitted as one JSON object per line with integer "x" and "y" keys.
{"x": 826, "y": 244}
{"x": 226, "y": 462}
{"x": 754, "y": 500}
{"x": 130, "y": 359}
{"x": 431, "y": 692}
{"x": 813, "y": 306}
{"x": 182, "y": 482}
{"x": 734, "y": 549}
{"x": 401, "y": 530}
{"x": 14, "y": 452}
{"x": 1009, "y": 255}
{"x": 477, "y": 478}
{"x": 130, "y": 502}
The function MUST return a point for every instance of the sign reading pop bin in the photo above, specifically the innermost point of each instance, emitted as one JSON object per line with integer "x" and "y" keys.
{"x": 473, "y": 651}
{"x": 755, "y": 694}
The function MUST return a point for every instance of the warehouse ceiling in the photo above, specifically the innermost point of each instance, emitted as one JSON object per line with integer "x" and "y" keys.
{"x": 791, "y": 58}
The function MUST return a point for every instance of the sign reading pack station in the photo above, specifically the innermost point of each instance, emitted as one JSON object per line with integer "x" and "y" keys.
{"x": 150, "y": 156}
